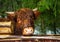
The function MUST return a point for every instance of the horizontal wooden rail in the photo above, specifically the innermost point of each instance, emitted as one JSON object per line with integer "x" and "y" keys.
{"x": 14, "y": 38}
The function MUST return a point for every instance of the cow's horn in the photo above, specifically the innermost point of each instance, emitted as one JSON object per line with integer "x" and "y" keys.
{"x": 9, "y": 12}
{"x": 35, "y": 9}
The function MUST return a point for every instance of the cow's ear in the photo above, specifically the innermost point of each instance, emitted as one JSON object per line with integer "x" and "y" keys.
{"x": 36, "y": 12}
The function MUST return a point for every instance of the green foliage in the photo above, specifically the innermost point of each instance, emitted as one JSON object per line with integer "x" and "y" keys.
{"x": 29, "y": 3}
{"x": 49, "y": 14}
{"x": 43, "y": 5}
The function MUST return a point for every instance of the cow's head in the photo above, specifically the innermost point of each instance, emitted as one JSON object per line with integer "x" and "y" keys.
{"x": 12, "y": 14}
{"x": 24, "y": 20}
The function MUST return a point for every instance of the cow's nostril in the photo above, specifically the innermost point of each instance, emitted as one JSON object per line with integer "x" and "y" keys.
{"x": 31, "y": 30}
{"x": 26, "y": 30}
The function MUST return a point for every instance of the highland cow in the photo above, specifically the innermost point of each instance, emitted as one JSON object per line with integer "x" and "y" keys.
{"x": 24, "y": 21}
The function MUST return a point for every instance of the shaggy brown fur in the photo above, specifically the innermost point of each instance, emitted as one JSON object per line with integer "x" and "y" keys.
{"x": 25, "y": 18}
